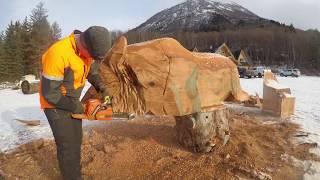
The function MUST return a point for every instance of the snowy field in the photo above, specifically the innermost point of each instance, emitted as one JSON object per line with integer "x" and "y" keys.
{"x": 306, "y": 89}
{"x": 15, "y": 105}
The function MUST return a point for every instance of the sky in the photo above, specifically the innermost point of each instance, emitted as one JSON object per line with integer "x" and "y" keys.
{"x": 126, "y": 14}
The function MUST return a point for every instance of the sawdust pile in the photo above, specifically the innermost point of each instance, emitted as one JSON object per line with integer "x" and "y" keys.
{"x": 147, "y": 148}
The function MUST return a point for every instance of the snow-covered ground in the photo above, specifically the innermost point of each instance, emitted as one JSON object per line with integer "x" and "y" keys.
{"x": 16, "y": 105}
{"x": 306, "y": 89}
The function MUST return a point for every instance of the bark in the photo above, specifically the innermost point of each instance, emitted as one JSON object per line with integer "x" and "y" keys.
{"x": 29, "y": 88}
{"x": 203, "y": 131}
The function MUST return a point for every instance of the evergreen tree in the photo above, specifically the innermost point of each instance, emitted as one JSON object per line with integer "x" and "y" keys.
{"x": 22, "y": 44}
{"x": 2, "y": 67}
{"x": 40, "y": 36}
{"x": 27, "y": 48}
{"x": 13, "y": 56}
{"x": 55, "y": 32}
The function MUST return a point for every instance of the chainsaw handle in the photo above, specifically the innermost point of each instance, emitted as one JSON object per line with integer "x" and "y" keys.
{"x": 79, "y": 116}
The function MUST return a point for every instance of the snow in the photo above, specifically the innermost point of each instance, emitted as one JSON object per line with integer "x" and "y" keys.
{"x": 197, "y": 13}
{"x": 175, "y": 15}
{"x": 220, "y": 7}
{"x": 15, "y": 105}
{"x": 205, "y": 11}
{"x": 229, "y": 9}
{"x": 306, "y": 90}
{"x": 222, "y": 1}
{"x": 275, "y": 84}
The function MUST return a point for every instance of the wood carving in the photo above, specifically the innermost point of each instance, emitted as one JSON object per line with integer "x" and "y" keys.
{"x": 277, "y": 99}
{"x": 163, "y": 78}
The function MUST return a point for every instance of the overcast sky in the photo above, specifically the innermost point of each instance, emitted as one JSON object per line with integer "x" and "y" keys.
{"x": 127, "y": 14}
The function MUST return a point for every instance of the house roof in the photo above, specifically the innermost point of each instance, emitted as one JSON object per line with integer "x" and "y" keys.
{"x": 247, "y": 57}
{"x": 225, "y": 51}
{"x": 237, "y": 53}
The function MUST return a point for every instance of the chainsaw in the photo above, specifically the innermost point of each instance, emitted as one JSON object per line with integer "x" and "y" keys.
{"x": 95, "y": 109}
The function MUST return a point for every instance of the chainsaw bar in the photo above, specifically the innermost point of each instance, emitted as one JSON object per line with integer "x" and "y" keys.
{"x": 120, "y": 116}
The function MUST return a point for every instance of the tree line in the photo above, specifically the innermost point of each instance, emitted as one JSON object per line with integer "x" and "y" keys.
{"x": 274, "y": 45}
{"x": 23, "y": 43}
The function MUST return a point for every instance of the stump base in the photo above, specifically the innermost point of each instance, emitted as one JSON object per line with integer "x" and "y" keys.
{"x": 203, "y": 131}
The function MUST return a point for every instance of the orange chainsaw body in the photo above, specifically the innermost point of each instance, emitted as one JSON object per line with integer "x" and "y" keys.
{"x": 103, "y": 113}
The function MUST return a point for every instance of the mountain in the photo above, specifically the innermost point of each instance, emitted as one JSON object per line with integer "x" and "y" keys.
{"x": 206, "y": 24}
{"x": 201, "y": 15}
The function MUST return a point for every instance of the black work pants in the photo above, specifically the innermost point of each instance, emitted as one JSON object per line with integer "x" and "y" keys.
{"x": 67, "y": 133}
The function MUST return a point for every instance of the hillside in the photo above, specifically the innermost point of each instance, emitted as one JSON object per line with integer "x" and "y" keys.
{"x": 202, "y": 15}
{"x": 206, "y": 24}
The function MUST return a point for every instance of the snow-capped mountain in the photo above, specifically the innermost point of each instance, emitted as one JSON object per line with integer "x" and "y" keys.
{"x": 200, "y": 15}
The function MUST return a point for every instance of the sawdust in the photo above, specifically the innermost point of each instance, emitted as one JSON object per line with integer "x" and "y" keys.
{"x": 148, "y": 149}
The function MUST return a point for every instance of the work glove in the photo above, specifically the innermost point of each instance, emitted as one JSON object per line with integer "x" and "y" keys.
{"x": 78, "y": 108}
{"x": 107, "y": 100}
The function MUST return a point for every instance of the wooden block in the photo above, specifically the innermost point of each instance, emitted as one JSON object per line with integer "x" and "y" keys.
{"x": 277, "y": 99}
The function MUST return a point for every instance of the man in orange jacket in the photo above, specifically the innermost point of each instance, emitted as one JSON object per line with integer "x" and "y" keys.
{"x": 65, "y": 67}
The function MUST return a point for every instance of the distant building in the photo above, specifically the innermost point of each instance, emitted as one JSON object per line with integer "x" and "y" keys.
{"x": 225, "y": 51}
{"x": 239, "y": 57}
{"x": 195, "y": 49}
{"x": 242, "y": 58}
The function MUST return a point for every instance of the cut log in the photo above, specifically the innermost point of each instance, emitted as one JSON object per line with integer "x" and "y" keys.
{"x": 203, "y": 131}
{"x": 29, "y": 122}
{"x": 29, "y": 87}
{"x": 164, "y": 78}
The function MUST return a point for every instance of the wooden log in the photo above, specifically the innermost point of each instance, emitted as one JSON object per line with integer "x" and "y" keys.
{"x": 164, "y": 78}
{"x": 203, "y": 131}
{"x": 29, "y": 87}
{"x": 29, "y": 122}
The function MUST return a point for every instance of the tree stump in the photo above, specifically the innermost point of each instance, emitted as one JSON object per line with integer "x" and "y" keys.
{"x": 203, "y": 131}
{"x": 29, "y": 88}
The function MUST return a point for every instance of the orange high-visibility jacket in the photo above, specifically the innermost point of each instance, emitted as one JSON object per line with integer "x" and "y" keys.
{"x": 64, "y": 72}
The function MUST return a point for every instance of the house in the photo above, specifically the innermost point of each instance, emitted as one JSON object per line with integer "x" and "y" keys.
{"x": 225, "y": 51}
{"x": 242, "y": 58}
{"x": 195, "y": 49}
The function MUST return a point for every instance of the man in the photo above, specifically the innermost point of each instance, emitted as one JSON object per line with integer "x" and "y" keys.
{"x": 65, "y": 67}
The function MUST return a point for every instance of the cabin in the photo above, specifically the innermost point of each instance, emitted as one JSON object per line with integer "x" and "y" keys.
{"x": 195, "y": 49}
{"x": 225, "y": 51}
{"x": 243, "y": 60}
{"x": 239, "y": 57}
